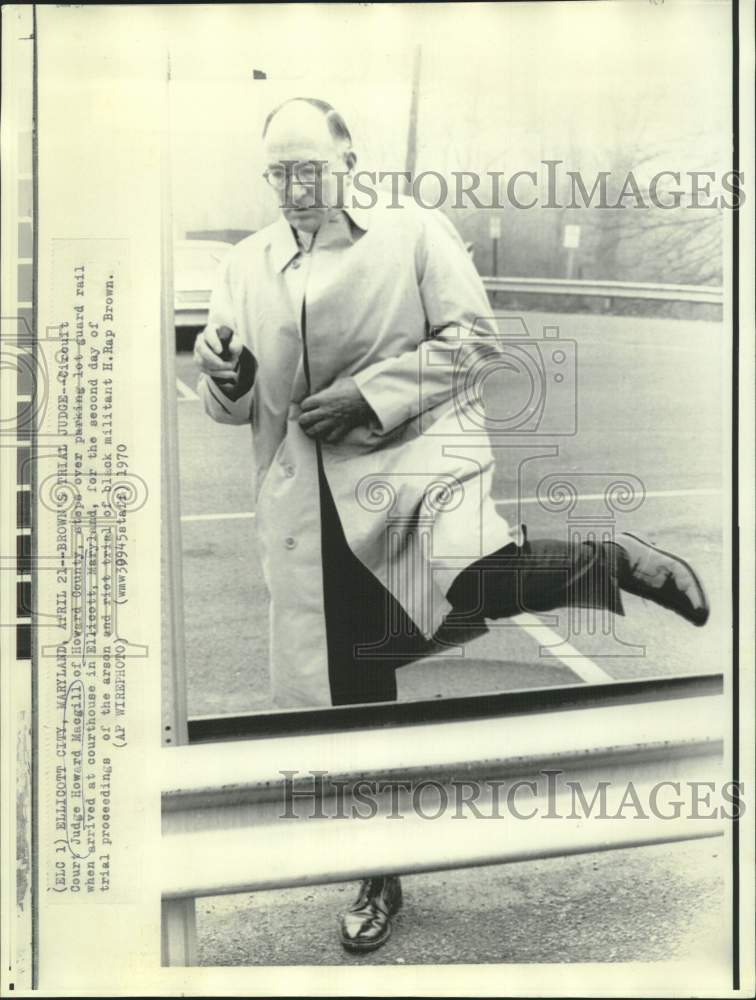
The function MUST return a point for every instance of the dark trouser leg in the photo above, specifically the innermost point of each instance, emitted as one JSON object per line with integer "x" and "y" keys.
{"x": 357, "y": 610}
{"x": 542, "y": 575}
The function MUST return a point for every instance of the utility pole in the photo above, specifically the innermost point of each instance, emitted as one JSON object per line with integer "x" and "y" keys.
{"x": 412, "y": 127}
{"x": 494, "y": 229}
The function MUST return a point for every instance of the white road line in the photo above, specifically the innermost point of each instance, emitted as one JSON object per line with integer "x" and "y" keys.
{"x": 185, "y": 393}
{"x": 217, "y": 517}
{"x": 579, "y": 664}
{"x": 650, "y": 495}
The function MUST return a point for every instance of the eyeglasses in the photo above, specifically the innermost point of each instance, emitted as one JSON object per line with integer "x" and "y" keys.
{"x": 306, "y": 172}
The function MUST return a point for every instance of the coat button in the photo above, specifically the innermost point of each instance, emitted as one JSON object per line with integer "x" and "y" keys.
{"x": 295, "y": 264}
{"x": 289, "y": 471}
{"x": 290, "y": 542}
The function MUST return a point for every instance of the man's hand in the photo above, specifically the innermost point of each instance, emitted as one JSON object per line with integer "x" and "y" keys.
{"x": 219, "y": 353}
{"x": 329, "y": 414}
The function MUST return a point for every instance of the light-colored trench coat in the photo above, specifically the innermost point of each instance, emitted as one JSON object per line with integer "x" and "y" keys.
{"x": 392, "y": 299}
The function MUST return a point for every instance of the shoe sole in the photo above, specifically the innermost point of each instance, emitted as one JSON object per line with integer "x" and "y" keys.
{"x": 704, "y": 614}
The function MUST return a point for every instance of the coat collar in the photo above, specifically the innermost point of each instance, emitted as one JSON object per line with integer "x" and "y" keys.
{"x": 359, "y": 216}
{"x": 283, "y": 243}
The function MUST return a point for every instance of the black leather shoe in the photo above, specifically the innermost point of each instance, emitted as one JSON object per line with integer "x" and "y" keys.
{"x": 367, "y": 923}
{"x": 662, "y": 578}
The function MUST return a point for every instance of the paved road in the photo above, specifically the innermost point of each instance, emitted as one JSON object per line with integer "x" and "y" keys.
{"x": 650, "y": 405}
{"x": 642, "y": 905}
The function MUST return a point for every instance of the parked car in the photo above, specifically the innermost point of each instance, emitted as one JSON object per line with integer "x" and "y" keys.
{"x": 195, "y": 263}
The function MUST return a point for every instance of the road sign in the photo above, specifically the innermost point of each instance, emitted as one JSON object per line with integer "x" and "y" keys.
{"x": 494, "y": 227}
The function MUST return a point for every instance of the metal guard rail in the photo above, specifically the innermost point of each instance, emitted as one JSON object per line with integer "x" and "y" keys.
{"x": 220, "y": 797}
{"x": 223, "y": 830}
{"x": 711, "y": 294}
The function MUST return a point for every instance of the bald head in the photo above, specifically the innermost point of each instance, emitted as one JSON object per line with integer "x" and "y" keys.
{"x": 308, "y": 131}
{"x": 336, "y": 124}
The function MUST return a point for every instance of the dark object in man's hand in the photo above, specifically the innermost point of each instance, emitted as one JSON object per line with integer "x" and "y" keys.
{"x": 246, "y": 367}
{"x": 224, "y": 336}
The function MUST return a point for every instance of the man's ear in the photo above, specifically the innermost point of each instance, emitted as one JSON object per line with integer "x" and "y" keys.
{"x": 350, "y": 160}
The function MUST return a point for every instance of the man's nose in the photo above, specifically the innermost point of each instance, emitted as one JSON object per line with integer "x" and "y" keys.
{"x": 301, "y": 194}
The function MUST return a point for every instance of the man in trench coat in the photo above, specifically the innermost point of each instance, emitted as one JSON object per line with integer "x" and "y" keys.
{"x": 351, "y": 338}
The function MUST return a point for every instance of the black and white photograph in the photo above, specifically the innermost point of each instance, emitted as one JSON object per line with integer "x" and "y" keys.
{"x": 464, "y": 364}
{"x": 379, "y": 626}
